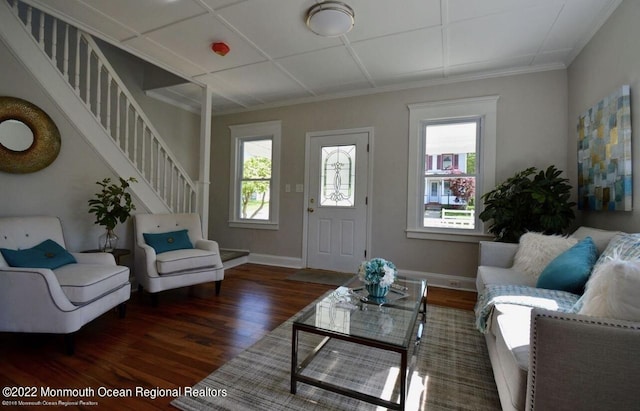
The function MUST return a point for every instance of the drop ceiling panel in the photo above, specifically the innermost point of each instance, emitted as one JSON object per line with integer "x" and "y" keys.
{"x": 145, "y": 15}
{"x": 393, "y": 56}
{"x": 573, "y": 24}
{"x": 263, "y": 81}
{"x": 500, "y": 36}
{"x": 158, "y": 53}
{"x": 375, "y": 18}
{"x": 192, "y": 38}
{"x": 228, "y": 91}
{"x": 276, "y": 26}
{"x": 459, "y": 10}
{"x": 216, "y": 4}
{"x": 324, "y": 68}
{"x": 74, "y": 10}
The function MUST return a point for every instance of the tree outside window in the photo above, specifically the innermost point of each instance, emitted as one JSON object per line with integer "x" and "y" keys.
{"x": 255, "y": 186}
{"x": 255, "y": 175}
{"x": 255, "y": 182}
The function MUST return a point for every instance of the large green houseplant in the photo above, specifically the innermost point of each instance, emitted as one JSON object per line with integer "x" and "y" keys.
{"x": 531, "y": 200}
{"x": 111, "y": 205}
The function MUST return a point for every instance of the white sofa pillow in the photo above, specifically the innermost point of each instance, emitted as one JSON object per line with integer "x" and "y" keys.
{"x": 536, "y": 250}
{"x": 601, "y": 238}
{"x": 613, "y": 290}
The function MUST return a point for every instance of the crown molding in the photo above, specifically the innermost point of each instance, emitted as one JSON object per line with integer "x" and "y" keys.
{"x": 400, "y": 87}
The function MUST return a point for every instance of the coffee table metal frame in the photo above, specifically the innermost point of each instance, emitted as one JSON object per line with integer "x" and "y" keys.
{"x": 405, "y": 369}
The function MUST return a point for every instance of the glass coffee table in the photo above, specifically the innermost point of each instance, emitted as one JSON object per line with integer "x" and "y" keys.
{"x": 349, "y": 315}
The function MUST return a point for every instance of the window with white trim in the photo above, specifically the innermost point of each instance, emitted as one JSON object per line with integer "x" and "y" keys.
{"x": 452, "y": 147}
{"x": 255, "y": 175}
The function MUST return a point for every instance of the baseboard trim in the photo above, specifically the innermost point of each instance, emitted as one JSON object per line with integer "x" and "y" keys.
{"x": 433, "y": 279}
{"x": 279, "y": 261}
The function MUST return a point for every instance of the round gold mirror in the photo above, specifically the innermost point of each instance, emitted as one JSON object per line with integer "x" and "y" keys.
{"x": 29, "y": 139}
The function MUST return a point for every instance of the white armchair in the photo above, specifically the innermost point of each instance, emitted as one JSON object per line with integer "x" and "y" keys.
{"x": 59, "y": 300}
{"x": 179, "y": 259}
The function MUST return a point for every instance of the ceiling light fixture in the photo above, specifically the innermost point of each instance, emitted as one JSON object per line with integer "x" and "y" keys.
{"x": 330, "y": 18}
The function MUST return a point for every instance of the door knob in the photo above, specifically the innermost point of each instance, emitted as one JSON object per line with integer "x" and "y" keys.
{"x": 311, "y": 210}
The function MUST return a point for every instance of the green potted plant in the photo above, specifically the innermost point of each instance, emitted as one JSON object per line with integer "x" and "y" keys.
{"x": 531, "y": 200}
{"x": 111, "y": 205}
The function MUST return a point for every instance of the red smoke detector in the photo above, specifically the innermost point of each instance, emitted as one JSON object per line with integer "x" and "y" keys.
{"x": 220, "y": 48}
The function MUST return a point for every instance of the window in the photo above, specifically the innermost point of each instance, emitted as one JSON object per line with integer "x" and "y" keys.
{"x": 452, "y": 164}
{"x": 255, "y": 162}
{"x": 455, "y": 208}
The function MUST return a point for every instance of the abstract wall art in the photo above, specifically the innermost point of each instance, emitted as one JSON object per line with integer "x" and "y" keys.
{"x": 604, "y": 154}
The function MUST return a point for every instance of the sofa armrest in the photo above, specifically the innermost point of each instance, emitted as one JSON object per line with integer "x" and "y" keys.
{"x": 578, "y": 362}
{"x": 497, "y": 254}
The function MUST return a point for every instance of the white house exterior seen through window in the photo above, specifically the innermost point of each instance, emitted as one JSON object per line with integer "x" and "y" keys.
{"x": 450, "y": 173}
{"x": 452, "y": 146}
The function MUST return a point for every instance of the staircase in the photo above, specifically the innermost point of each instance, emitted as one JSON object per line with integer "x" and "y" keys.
{"x": 70, "y": 66}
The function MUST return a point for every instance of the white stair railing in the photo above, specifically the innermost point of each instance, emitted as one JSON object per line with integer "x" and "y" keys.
{"x": 82, "y": 64}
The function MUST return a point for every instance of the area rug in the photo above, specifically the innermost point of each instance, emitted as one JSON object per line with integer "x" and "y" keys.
{"x": 452, "y": 372}
{"x": 310, "y": 275}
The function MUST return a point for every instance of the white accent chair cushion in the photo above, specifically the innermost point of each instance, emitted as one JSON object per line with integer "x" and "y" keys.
{"x": 177, "y": 268}
{"x": 173, "y": 262}
{"x": 84, "y": 283}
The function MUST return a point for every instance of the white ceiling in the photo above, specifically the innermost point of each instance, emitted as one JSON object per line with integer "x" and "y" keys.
{"x": 276, "y": 60}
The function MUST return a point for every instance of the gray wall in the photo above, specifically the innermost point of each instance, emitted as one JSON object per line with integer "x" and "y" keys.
{"x": 532, "y": 124}
{"x": 610, "y": 60}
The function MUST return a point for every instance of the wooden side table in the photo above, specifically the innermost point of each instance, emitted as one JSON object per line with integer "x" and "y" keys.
{"x": 117, "y": 253}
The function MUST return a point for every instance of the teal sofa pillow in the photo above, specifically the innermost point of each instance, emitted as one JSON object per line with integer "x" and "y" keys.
{"x": 47, "y": 254}
{"x": 570, "y": 270}
{"x": 173, "y": 240}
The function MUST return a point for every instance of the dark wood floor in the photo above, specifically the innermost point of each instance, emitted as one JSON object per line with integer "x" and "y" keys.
{"x": 190, "y": 334}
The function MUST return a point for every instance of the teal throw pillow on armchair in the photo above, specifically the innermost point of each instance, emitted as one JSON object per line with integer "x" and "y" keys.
{"x": 570, "y": 270}
{"x": 173, "y": 240}
{"x": 47, "y": 254}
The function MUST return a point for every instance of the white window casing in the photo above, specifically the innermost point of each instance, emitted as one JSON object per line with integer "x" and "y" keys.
{"x": 450, "y": 110}
{"x": 246, "y": 132}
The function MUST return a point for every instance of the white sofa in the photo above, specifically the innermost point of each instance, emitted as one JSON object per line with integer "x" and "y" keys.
{"x": 547, "y": 360}
{"x": 157, "y": 272}
{"x": 62, "y": 300}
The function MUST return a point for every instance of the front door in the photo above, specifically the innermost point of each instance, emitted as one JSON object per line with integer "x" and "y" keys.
{"x": 337, "y": 170}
